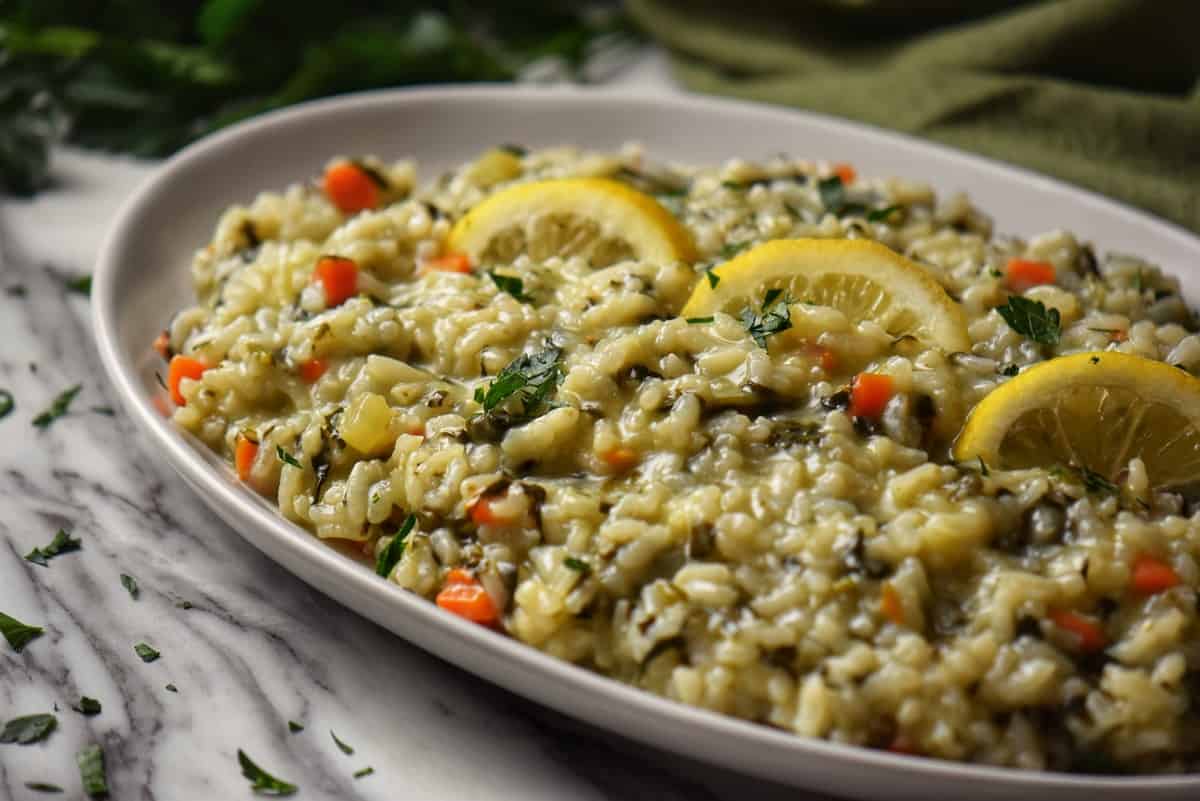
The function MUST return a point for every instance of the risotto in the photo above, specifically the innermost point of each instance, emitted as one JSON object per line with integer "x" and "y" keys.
{"x": 564, "y": 421}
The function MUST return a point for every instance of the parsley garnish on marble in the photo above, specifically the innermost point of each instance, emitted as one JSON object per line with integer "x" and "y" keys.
{"x": 62, "y": 543}
{"x": 7, "y": 404}
{"x": 260, "y": 780}
{"x": 343, "y": 747}
{"x": 87, "y": 706}
{"x": 147, "y": 653}
{"x": 295, "y": 727}
{"x": 58, "y": 407}
{"x": 28, "y": 729}
{"x": 17, "y": 633}
{"x": 171, "y": 688}
{"x": 43, "y": 787}
{"x": 389, "y": 557}
{"x": 1032, "y": 320}
{"x": 80, "y": 284}
{"x": 91, "y": 771}
{"x": 131, "y": 586}
{"x": 367, "y": 771}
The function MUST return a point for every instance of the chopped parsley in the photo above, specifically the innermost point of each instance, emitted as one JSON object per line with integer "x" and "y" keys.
{"x": 512, "y": 285}
{"x": 28, "y": 729}
{"x": 88, "y": 706}
{"x": 367, "y": 771}
{"x": 183, "y": 604}
{"x": 713, "y": 278}
{"x": 881, "y": 215}
{"x": 43, "y": 787}
{"x": 773, "y": 317}
{"x": 833, "y": 197}
{"x": 287, "y": 458}
{"x": 343, "y": 747}
{"x": 294, "y": 727}
{"x": 62, "y": 543}
{"x": 1032, "y": 320}
{"x": 91, "y": 771}
{"x": 81, "y": 284}
{"x": 1095, "y": 482}
{"x": 16, "y": 291}
{"x": 530, "y": 378}
{"x": 107, "y": 411}
{"x": 1010, "y": 370}
{"x": 260, "y": 780}
{"x": 6, "y": 403}
{"x": 513, "y": 150}
{"x": 130, "y": 584}
{"x": 699, "y": 320}
{"x": 731, "y": 249}
{"x": 389, "y": 557}
{"x": 57, "y": 408}
{"x": 147, "y": 653}
{"x": 171, "y": 688}
{"x": 578, "y": 565}
{"x": 17, "y": 633}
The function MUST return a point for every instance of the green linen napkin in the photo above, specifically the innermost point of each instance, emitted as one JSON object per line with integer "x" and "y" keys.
{"x": 1103, "y": 93}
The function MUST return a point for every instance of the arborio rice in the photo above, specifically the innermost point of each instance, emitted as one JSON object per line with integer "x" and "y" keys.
{"x": 751, "y": 548}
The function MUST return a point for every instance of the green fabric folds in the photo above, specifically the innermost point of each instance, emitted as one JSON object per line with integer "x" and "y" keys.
{"x": 1102, "y": 93}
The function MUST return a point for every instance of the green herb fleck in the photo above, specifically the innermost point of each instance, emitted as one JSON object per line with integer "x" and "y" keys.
{"x": 260, "y": 780}
{"x": 833, "y": 197}
{"x": 530, "y": 378}
{"x": 91, "y": 771}
{"x": 389, "y": 557}
{"x": 983, "y": 468}
{"x": 512, "y": 285}
{"x": 1094, "y": 360}
{"x": 367, "y": 771}
{"x": 182, "y": 604}
{"x": 107, "y": 411}
{"x": 773, "y": 317}
{"x": 171, "y": 688}
{"x": 294, "y": 727}
{"x": 1032, "y": 320}
{"x": 43, "y": 787}
{"x": 16, "y": 291}
{"x": 343, "y": 747}
{"x": 286, "y": 457}
{"x": 731, "y": 249}
{"x": 81, "y": 285}
{"x": 7, "y": 404}
{"x": 62, "y": 543}
{"x": 28, "y": 729}
{"x": 881, "y": 215}
{"x": 87, "y": 706}
{"x": 735, "y": 185}
{"x": 713, "y": 278}
{"x": 147, "y": 653}
{"x": 58, "y": 408}
{"x": 130, "y": 584}
{"x": 1010, "y": 370}
{"x": 514, "y": 150}
{"x": 699, "y": 320}
{"x": 578, "y": 565}
{"x": 17, "y": 633}
{"x": 1095, "y": 482}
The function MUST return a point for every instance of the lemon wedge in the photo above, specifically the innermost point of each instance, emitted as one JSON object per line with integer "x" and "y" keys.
{"x": 600, "y": 219}
{"x": 1094, "y": 411}
{"x": 863, "y": 279}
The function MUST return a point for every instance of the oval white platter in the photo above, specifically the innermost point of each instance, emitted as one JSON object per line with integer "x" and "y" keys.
{"x": 143, "y": 275}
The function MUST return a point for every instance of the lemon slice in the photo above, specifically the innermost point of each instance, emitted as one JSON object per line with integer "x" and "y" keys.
{"x": 863, "y": 279}
{"x": 1093, "y": 410}
{"x": 602, "y": 220}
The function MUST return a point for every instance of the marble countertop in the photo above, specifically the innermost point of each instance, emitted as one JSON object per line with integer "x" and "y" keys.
{"x": 257, "y": 647}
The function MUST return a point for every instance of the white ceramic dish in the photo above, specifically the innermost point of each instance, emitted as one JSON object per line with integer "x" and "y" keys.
{"x": 142, "y": 276}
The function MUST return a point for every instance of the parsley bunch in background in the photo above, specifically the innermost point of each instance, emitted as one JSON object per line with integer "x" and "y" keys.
{"x": 146, "y": 77}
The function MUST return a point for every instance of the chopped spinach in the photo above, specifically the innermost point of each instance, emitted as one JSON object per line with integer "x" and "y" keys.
{"x": 389, "y": 557}
{"x": 57, "y": 408}
{"x": 1032, "y": 320}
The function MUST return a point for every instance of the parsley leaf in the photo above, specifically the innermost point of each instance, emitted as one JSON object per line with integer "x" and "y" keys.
{"x": 731, "y": 249}
{"x": 530, "y": 378}
{"x": 6, "y": 403}
{"x": 389, "y": 557}
{"x": 1095, "y": 482}
{"x": 713, "y": 278}
{"x": 43, "y": 787}
{"x": 774, "y": 317}
{"x": 62, "y": 543}
{"x": 28, "y": 729}
{"x": 833, "y": 197}
{"x": 147, "y": 653}
{"x": 367, "y": 771}
{"x": 91, "y": 771}
{"x": 260, "y": 780}
{"x": 512, "y": 285}
{"x": 881, "y": 215}
{"x": 130, "y": 584}
{"x": 58, "y": 408}
{"x": 345, "y": 749}
{"x": 17, "y": 633}
{"x": 88, "y": 706}
{"x": 699, "y": 320}
{"x": 294, "y": 727}
{"x": 578, "y": 565}
{"x": 171, "y": 688}
{"x": 81, "y": 284}
{"x": 287, "y": 458}
{"x": 1032, "y": 320}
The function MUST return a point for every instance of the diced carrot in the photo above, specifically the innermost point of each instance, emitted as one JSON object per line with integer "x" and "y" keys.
{"x": 350, "y": 188}
{"x": 417, "y": 429}
{"x": 826, "y": 358}
{"x": 620, "y": 458}
{"x": 1151, "y": 575}
{"x": 312, "y": 370}
{"x": 1088, "y": 634}
{"x": 162, "y": 345}
{"x": 465, "y": 596}
{"x": 483, "y": 513}
{"x": 1022, "y": 274}
{"x": 450, "y": 263}
{"x": 1118, "y": 335}
{"x": 338, "y": 277}
{"x": 890, "y": 605}
{"x": 244, "y": 453}
{"x": 182, "y": 367}
{"x": 870, "y": 393}
{"x": 846, "y": 172}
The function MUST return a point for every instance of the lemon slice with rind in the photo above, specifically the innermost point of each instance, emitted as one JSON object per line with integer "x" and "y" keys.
{"x": 1094, "y": 411}
{"x": 599, "y": 219}
{"x": 861, "y": 278}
